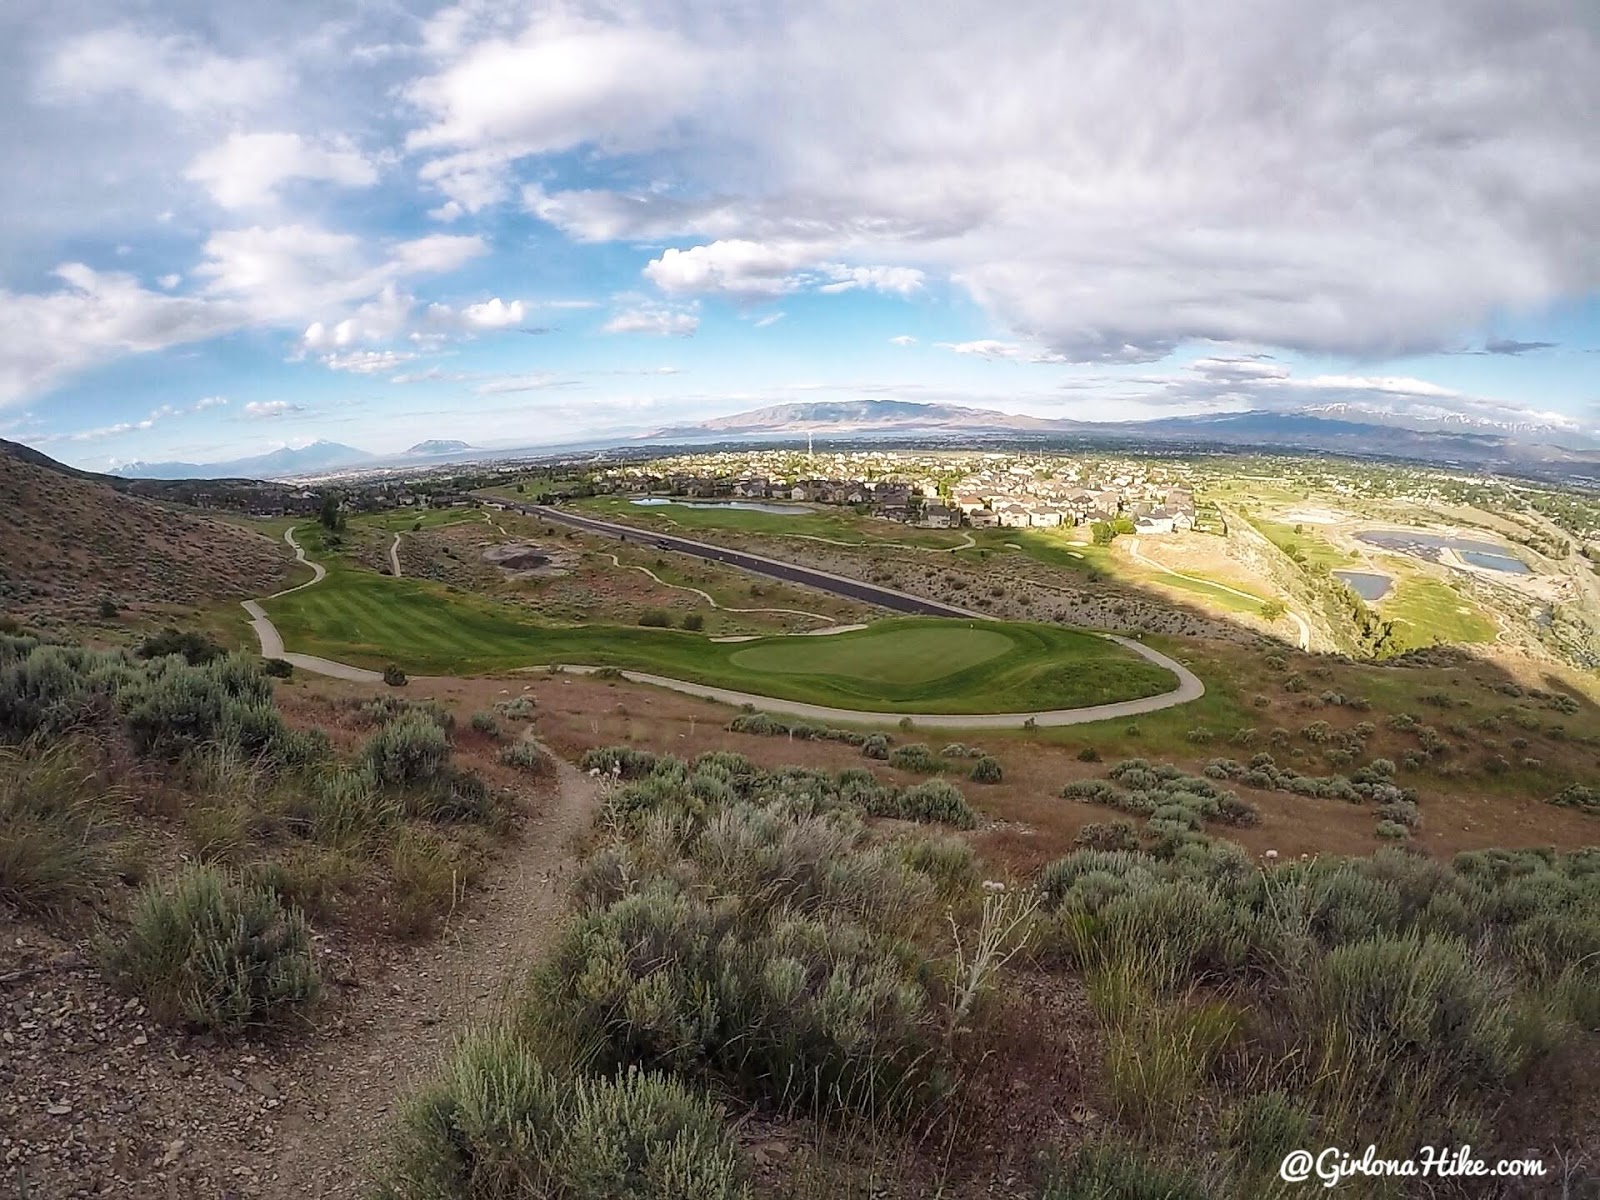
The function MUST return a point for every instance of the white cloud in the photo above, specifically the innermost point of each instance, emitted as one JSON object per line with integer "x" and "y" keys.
{"x": 164, "y": 413}
{"x": 993, "y": 349}
{"x": 265, "y": 410}
{"x": 902, "y": 281}
{"x": 94, "y": 317}
{"x": 653, "y": 318}
{"x": 564, "y": 81}
{"x": 176, "y": 72}
{"x": 769, "y": 319}
{"x": 246, "y": 170}
{"x": 507, "y": 384}
{"x": 904, "y": 339}
{"x": 494, "y": 314}
{"x": 366, "y": 362}
{"x": 1329, "y": 179}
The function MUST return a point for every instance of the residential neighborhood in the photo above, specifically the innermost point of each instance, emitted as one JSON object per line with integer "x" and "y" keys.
{"x": 935, "y": 491}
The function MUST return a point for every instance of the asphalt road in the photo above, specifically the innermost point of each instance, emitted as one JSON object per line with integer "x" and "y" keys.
{"x": 772, "y": 568}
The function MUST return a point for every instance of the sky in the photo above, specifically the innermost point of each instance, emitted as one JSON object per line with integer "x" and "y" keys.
{"x": 228, "y": 227}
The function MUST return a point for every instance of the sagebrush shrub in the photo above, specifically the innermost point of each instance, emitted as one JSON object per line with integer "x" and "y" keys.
{"x": 408, "y": 750}
{"x": 212, "y": 951}
{"x": 986, "y": 770}
{"x": 497, "y": 1125}
{"x": 526, "y": 756}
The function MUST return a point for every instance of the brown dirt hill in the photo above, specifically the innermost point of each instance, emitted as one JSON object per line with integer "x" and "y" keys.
{"x": 68, "y": 541}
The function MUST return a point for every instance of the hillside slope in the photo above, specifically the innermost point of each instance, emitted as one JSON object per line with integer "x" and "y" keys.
{"x": 68, "y": 541}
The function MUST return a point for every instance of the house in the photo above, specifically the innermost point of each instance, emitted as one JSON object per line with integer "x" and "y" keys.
{"x": 968, "y": 502}
{"x": 1157, "y": 520}
{"x": 1044, "y": 518}
{"x": 1011, "y": 516}
{"x": 982, "y": 518}
{"x": 938, "y": 516}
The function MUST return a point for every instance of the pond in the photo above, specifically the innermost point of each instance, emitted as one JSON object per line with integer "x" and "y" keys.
{"x": 1428, "y": 545}
{"x": 1369, "y": 585}
{"x": 782, "y": 510}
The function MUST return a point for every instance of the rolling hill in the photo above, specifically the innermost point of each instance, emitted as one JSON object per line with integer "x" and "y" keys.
{"x": 69, "y": 540}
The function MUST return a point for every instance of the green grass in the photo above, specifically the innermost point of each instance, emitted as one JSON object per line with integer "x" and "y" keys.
{"x": 1313, "y": 549}
{"x": 909, "y": 665}
{"x": 1426, "y": 611}
{"x": 840, "y": 525}
{"x": 909, "y": 655}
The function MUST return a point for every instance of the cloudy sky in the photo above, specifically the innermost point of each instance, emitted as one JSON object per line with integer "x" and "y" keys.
{"x": 228, "y": 226}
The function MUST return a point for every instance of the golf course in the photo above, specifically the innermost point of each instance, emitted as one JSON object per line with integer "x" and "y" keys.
{"x": 914, "y": 664}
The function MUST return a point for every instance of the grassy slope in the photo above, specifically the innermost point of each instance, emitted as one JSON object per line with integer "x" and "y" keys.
{"x": 1427, "y": 610}
{"x": 426, "y": 628}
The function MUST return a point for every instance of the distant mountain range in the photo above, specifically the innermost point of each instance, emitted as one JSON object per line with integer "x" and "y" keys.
{"x": 279, "y": 464}
{"x": 1342, "y": 429}
{"x": 1442, "y": 438}
{"x": 289, "y": 463}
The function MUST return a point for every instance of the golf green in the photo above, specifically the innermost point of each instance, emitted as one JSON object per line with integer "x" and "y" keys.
{"x": 914, "y": 655}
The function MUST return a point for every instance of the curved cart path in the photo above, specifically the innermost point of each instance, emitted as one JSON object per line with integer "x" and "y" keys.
{"x": 272, "y": 642}
{"x": 1189, "y": 686}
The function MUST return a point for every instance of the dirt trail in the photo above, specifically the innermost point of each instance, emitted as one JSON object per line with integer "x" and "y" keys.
{"x": 351, "y": 1084}
{"x": 711, "y": 600}
{"x": 1303, "y": 630}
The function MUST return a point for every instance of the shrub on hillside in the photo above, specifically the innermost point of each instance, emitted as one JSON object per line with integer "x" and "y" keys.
{"x": 915, "y": 757}
{"x": 694, "y": 622}
{"x": 211, "y": 951}
{"x": 277, "y": 668}
{"x": 408, "y": 750}
{"x": 498, "y": 1124}
{"x": 936, "y": 800}
{"x": 622, "y": 761}
{"x": 518, "y": 708}
{"x": 525, "y": 756}
{"x": 1579, "y": 796}
{"x": 656, "y": 618}
{"x": 768, "y": 725}
{"x": 394, "y": 676}
{"x": 485, "y": 723}
{"x": 813, "y": 1015}
{"x": 1110, "y": 835}
{"x": 194, "y": 648}
{"x": 986, "y": 770}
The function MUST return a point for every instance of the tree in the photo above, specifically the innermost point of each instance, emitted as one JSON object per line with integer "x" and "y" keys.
{"x": 1103, "y": 533}
{"x": 331, "y": 516}
{"x": 1273, "y": 610}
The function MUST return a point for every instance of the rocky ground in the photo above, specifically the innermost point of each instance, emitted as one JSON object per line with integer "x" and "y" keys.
{"x": 98, "y": 1100}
